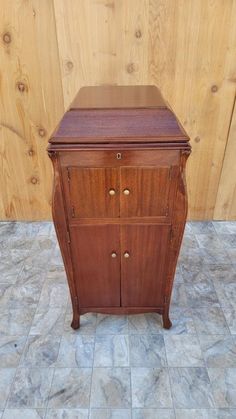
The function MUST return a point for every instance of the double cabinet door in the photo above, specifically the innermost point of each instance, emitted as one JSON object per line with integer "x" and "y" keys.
{"x": 119, "y": 220}
{"x": 120, "y": 191}
{"x": 120, "y": 264}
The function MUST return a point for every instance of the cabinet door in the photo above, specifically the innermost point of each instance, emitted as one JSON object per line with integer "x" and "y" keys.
{"x": 143, "y": 264}
{"x": 146, "y": 191}
{"x": 96, "y": 261}
{"x": 93, "y": 192}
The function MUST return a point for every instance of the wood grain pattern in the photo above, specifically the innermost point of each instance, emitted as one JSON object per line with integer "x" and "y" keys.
{"x": 195, "y": 67}
{"x": 149, "y": 191}
{"x": 97, "y": 280}
{"x": 225, "y": 208}
{"x": 89, "y": 192}
{"x": 143, "y": 272}
{"x": 31, "y": 105}
{"x": 187, "y": 48}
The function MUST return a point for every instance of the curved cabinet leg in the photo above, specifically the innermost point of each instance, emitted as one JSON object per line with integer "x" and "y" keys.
{"x": 166, "y": 319}
{"x": 75, "y": 324}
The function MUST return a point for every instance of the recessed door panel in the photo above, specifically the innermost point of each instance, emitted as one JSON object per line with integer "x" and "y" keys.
{"x": 143, "y": 264}
{"x": 96, "y": 261}
{"x": 93, "y": 192}
{"x": 146, "y": 191}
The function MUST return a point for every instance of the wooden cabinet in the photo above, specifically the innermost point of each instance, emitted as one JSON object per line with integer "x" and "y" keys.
{"x": 119, "y": 199}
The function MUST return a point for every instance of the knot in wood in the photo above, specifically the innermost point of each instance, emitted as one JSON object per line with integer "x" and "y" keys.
{"x": 138, "y": 33}
{"x": 197, "y": 139}
{"x": 34, "y": 180}
{"x": 69, "y": 65}
{"x": 130, "y": 68}
{"x": 6, "y": 38}
{"x": 31, "y": 152}
{"x": 21, "y": 87}
{"x": 41, "y": 132}
{"x": 214, "y": 88}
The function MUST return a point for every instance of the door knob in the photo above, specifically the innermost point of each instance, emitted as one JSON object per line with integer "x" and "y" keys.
{"x": 113, "y": 255}
{"x": 126, "y": 191}
{"x": 112, "y": 192}
{"x": 126, "y": 255}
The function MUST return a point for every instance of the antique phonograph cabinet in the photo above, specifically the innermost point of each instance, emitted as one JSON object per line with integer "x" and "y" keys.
{"x": 119, "y": 199}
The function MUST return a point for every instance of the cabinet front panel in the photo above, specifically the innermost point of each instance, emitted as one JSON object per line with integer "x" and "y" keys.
{"x": 96, "y": 261}
{"x": 143, "y": 264}
{"x": 145, "y": 191}
{"x": 94, "y": 192}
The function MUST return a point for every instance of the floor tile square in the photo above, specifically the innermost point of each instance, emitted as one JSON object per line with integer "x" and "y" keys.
{"x": 48, "y": 320}
{"x": 70, "y": 388}
{"x": 210, "y": 320}
{"x": 30, "y": 388}
{"x": 147, "y": 351}
{"x": 150, "y": 388}
{"x": 183, "y": 351}
{"x": 111, "y": 388}
{"x": 76, "y": 351}
{"x": 191, "y": 388}
{"x": 111, "y": 351}
{"x": 218, "y": 351}
{"x": 40, "y": 351}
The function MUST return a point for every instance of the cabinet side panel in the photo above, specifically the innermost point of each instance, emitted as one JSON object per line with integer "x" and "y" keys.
{"x": 60, "y": 223}
{"x": 178, "y": 224}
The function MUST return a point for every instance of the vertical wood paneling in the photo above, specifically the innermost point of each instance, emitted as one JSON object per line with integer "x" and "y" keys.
{"x": 101, "y": 42}
{"x": 31, "y": 105}
{"x": 192, "y": 58}
{"x": 225, "y": 208}
{"x": 49, "y": 49}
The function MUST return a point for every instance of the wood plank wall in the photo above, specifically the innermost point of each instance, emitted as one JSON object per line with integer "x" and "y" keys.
{"x": 49, "y": 49}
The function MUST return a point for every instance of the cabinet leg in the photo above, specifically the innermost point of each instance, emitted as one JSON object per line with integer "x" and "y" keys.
{"x": 166, "y": 319}
{"x": 75, "y": 324}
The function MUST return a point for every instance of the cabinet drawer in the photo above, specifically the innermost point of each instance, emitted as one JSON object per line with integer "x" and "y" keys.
{"x": 119, "y": 157}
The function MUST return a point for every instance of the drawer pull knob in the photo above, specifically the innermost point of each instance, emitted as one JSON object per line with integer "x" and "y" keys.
{"x": 126, "y": 255}
{"x": 112, "y": 192}
{"x": 113, "y": 255}
{"x": 126, "y": 191}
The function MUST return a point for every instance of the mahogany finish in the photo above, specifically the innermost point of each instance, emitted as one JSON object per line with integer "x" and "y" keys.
{"x": 119, "y": 200}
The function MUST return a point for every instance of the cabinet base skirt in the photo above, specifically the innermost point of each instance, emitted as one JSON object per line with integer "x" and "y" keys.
{"x": 164, "y": 311}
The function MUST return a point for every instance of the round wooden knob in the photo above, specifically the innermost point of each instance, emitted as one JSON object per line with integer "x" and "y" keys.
{"x": 126, "y": 255}
{"x": 112, "y": 192}
{"x": 126, "y": 192}
{"x": 113, "y": 255}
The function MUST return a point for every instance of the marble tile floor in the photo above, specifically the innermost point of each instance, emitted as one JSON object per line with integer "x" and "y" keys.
{"x": 117, "y": 367}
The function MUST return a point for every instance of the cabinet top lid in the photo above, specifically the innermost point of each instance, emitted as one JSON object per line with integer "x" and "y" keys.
{"x": 113, "y": 114}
